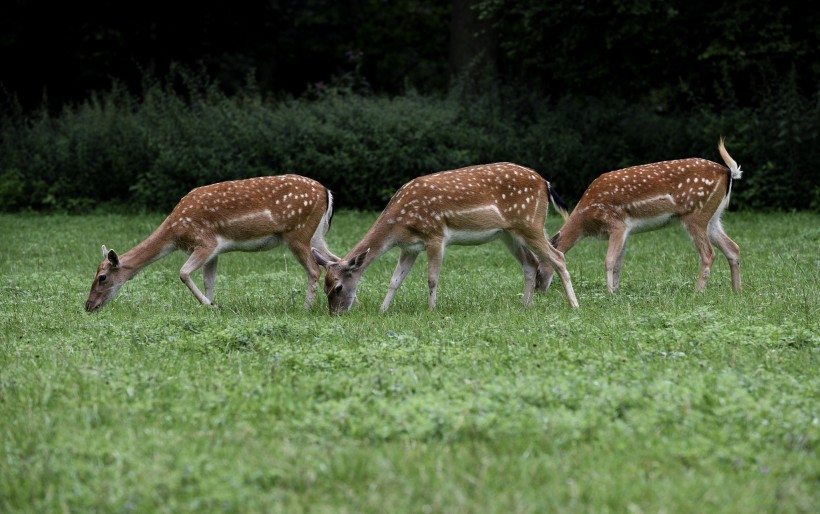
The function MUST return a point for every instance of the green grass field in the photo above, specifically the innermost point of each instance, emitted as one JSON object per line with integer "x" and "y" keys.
{"x": 654, "y": 400}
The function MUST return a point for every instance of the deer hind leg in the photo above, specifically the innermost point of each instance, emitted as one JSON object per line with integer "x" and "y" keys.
{"x": 405, "y": 264}
{"x": 199, "y": 257}
{"x": 528, "y": 262}
{"x": 563, "y": 241}
{"x": 209, "y": 274}
{"x": 615, "y": 257}
{"x": 729, "y": 248}
{"x": 312, "y": 269}
{"x": 700, "y": 240}
{"x": 545, "y": 251}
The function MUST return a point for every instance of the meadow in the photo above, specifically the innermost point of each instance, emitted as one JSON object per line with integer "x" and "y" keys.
{"x": 654, "y": 400}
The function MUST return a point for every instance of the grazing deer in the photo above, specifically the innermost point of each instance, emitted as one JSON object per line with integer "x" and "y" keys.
{"x": 467, "y": 206}
{"x": 241, "y": 215}
{"x": 642, "y": 198}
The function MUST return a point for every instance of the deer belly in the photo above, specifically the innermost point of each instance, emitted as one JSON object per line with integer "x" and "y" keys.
{"x": 470, "y": 237}
{"x": 648, "y": 223}
{"x": 248, "y": 245}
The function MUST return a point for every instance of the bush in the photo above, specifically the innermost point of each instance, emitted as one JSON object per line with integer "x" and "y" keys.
{"x": 146, "y": 152}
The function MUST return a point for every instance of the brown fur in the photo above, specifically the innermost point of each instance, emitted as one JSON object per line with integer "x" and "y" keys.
{"x": 248, "y": 215}
{"x": 465, "y": 206}
{"x": 693, "y": 191}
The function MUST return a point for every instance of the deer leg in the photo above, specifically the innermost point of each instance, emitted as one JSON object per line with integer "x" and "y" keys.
{"x": 615, "y": 257}
{"x": 528, "y": 262}
{"x": 405, "y": 264}
{"x": 311, "y": 267}
{"x": 702, "y": 244}
{"x": 563, "y": 241}
{"x": 543, "y": 275}
{"x": 435, "y": 255}
{"x": 619, "y": 263}
{"x": 546, "y": 252}
{"x": 729, "y": 248}
{"x": 312, "y": 271}
{"x": 197, "y": 259}
{"x": 209, "y": 273}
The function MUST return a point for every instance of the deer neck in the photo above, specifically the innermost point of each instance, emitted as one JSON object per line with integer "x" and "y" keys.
{"x": 156, "y": 246}
{"x": 378, "y": 240}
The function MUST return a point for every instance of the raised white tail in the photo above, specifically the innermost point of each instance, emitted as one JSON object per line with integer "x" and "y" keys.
{"x": 240, "y": 215}
{"x": 733, "y": 166}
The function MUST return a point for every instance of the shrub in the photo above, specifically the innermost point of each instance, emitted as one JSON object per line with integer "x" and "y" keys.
{"x": 147, "y": 151}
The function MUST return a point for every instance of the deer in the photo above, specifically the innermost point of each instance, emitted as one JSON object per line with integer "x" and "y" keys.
{"x": 252, "y": 214}
{"x": 642, "y": 198}
{"x": 466, "y": 206}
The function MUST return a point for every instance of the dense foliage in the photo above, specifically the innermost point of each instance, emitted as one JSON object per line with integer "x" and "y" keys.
{"x": 148, "y": 150}
{"x": 136, "y": 110}
{"x": 675, "y": 53}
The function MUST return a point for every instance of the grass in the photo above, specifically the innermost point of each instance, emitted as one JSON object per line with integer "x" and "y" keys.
{"x": 656, "y": 399}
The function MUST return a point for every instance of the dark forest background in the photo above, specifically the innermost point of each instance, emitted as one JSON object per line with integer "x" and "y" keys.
{"x": 131, "y": 105}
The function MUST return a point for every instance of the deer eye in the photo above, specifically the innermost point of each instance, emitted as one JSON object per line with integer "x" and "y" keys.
{"x": 102, "y": 279}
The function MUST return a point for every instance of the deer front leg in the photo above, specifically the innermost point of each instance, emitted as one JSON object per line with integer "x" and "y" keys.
{"x": 209, "y": 274}
{"x": 543, "y": 277}
{"x": 197, "y": 259}
{"x": 435, "y": 255}
{"x": 563, "y": 241}
{"x": 615, "y": 257}
{"x": 405, "y": 264}
{"x": 619, "y": 263}
{"x": 545, "y": 251}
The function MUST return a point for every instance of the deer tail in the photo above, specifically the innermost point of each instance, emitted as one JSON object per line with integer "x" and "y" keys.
{"x": 318, "y": 240}
{"x": 733, "y": 166}
{"x": 558, "y": 202}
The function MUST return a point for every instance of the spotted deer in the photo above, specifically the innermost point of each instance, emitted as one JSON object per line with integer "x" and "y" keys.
{"x": 647, "y": 197}
{"x": 241, "y": 215}
{"x": 467, "y": 206}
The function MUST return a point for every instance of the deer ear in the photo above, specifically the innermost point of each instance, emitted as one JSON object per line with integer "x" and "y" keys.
{"x": 113, "y": 259}
{"x": 320, "y": 259}
{"x": 358, "y": 260}
{"x": 104, "y": 251}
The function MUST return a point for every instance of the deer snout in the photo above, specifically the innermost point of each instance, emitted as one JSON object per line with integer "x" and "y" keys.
{"x": 336, "y": 309}
{"x": 338, "y": 306}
